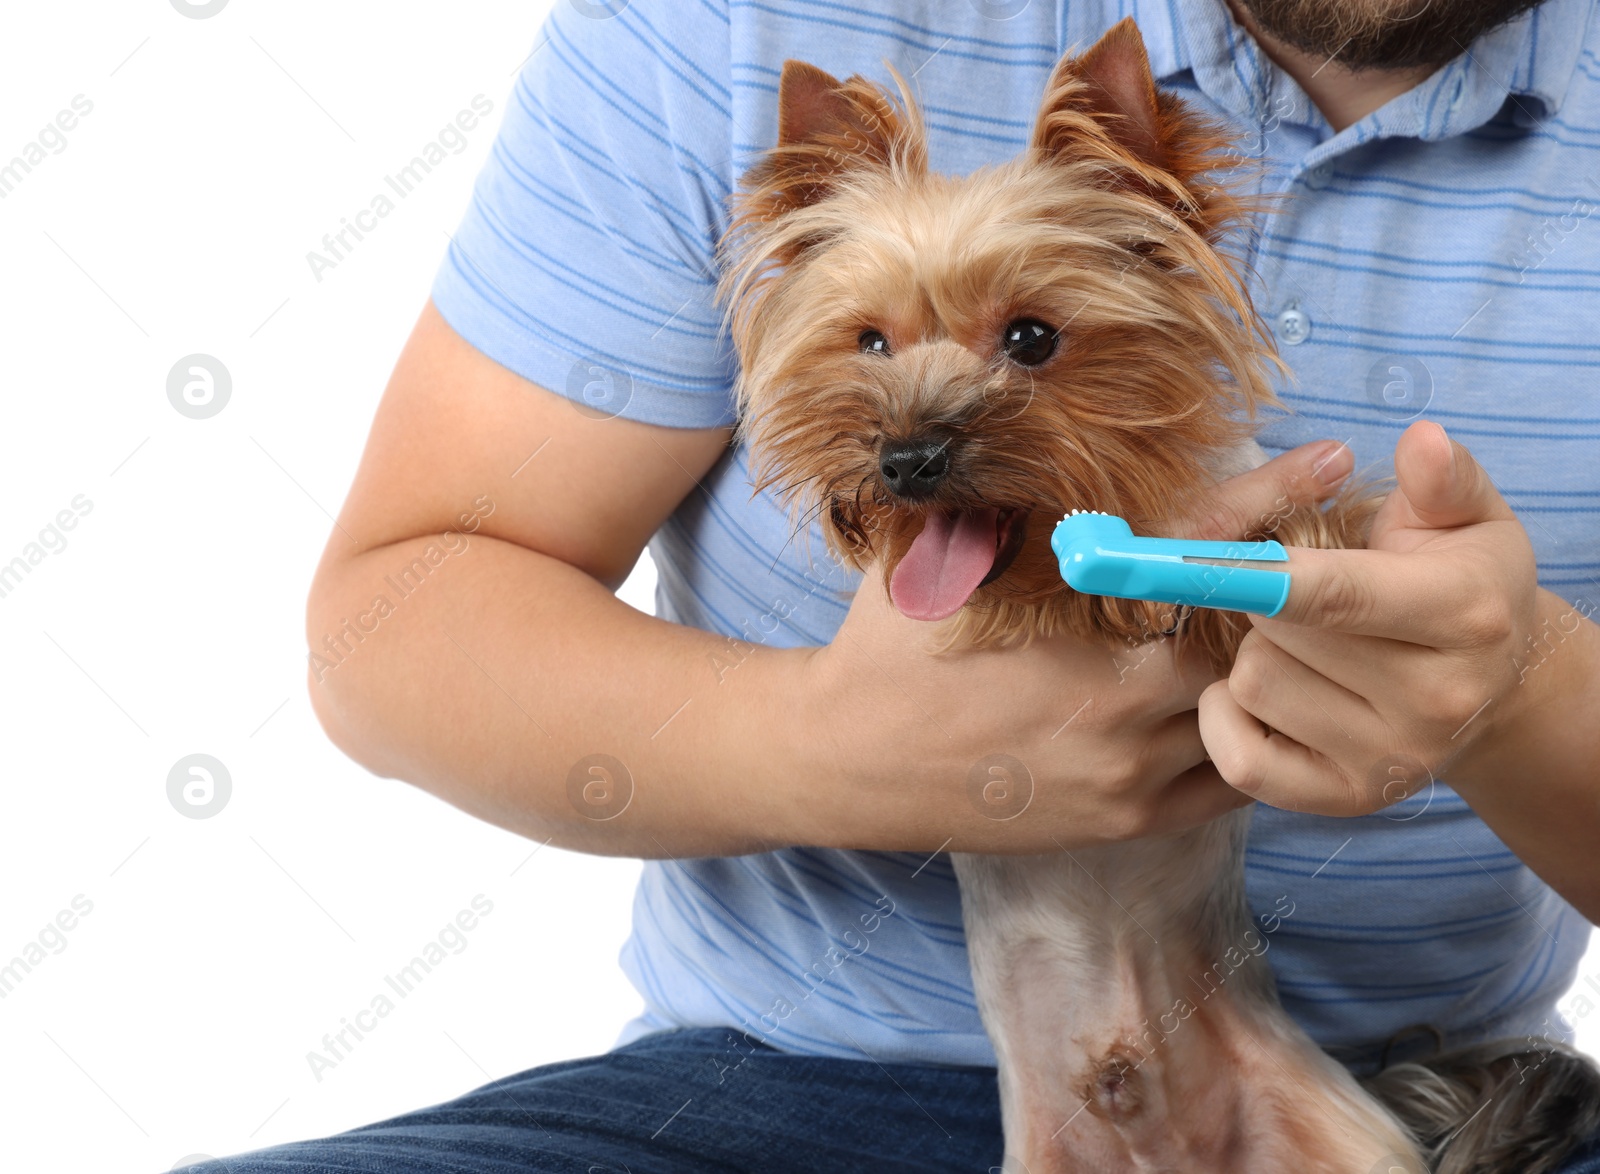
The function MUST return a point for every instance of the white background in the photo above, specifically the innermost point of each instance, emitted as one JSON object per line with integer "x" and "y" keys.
{"x": 178, "y": 1017}
{"x": 219, "y": 951}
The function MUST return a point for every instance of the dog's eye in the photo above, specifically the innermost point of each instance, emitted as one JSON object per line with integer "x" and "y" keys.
{"x": 873, "y": 340}
{"x": 1029, "y": 341}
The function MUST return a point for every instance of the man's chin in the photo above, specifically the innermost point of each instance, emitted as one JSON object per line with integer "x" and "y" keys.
{"x": 1381, "y": 34}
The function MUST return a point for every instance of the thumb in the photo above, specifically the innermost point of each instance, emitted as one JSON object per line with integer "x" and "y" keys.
{"x": 1443, "y": 485}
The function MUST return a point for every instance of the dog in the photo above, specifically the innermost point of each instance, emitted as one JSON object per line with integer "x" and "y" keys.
{"x": 939, "y": 367}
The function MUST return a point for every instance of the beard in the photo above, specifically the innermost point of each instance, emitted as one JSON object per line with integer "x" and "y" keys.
{"x": 1380, "y": 34}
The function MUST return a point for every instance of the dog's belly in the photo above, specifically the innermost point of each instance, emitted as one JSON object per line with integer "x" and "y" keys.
{"x": 1132, "y": 1012}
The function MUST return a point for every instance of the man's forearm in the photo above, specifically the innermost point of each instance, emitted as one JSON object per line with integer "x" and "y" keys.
{"x": 1537, "y": 785}
{"x": 523, "y": 691}
{"x": 520, "y": 689}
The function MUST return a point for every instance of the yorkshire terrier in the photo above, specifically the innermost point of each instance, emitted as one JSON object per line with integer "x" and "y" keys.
{"x": 940, "y": 367}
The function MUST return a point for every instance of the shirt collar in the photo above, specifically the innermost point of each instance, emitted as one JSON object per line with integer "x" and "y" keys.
{"x": 1527, "y": 63}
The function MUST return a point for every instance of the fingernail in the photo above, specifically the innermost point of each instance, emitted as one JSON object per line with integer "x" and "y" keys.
{"x": 1451, "y": 444}
{"x": 1333, "y": 464}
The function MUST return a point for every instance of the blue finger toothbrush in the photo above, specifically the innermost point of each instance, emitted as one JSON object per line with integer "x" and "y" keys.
{"x": 1099, "y": 555}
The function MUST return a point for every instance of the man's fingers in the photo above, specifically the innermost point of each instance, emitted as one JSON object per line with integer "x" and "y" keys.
{"x": 1285, "y": 693}
{"x": 1442, "y": 483}
{"x": 1173, "y": 747}
{"x": 1365, "y": 666}
{"x": 1197, "y": 796}
{"x": 1414, "y": 598}
{"x": 1254, "y": 501}
{"x": 1265, "y": 765}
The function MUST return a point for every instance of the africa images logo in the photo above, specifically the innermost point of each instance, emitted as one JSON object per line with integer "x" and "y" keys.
{"x": 452, "y": 139}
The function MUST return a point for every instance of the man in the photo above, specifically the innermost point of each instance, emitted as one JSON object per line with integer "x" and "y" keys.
{"x": 791, "y": 758}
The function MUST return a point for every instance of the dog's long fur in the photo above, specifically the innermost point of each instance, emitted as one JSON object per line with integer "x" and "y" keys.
{"x": 848, "y": 220}
{"x": 1112, "y": 225}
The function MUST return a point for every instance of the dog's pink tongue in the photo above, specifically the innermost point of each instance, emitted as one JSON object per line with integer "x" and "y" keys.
{"x": 945, "y": 564}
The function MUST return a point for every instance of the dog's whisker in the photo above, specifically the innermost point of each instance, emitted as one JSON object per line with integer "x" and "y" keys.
{"x": 783, "y": 492}
{"x": 803, "y": 524}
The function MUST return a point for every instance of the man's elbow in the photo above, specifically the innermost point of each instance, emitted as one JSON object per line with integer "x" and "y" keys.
{"x": 334, "y": 690}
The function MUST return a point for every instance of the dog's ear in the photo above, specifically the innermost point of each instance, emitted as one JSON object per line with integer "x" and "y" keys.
{"x": 1103, "y": 106}
{"x": 1109, "y": 89}
{"x": 814, "y": 107}
{"x": 827, "y": 129}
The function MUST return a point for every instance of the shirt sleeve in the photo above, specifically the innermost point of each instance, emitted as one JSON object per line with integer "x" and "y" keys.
{"x": 586, "y": 261}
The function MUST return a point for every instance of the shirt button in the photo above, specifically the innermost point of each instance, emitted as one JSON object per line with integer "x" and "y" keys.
{"x": 1318, "y": 176}
{"x": 1294, "y": 326}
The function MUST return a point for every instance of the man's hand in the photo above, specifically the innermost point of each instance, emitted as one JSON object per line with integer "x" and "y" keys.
{"x": 1060, "y": 744}
{"x": 1388, "y": 665}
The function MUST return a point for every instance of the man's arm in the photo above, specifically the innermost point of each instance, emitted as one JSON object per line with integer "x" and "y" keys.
{"x": 466, "y": 639}
{"x": 1433, "y": 652}
{"x": 497, "y": 670}
{"x": 1537, "y": 781}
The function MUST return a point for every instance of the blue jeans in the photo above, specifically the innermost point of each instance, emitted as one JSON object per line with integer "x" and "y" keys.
{"x": 686, "y": 1102}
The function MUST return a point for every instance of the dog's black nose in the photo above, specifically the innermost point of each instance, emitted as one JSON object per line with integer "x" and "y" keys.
{"x": 913, "y": 469}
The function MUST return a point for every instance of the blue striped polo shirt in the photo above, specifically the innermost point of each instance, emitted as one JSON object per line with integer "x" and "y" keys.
{"x": 1440, "y": 257}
